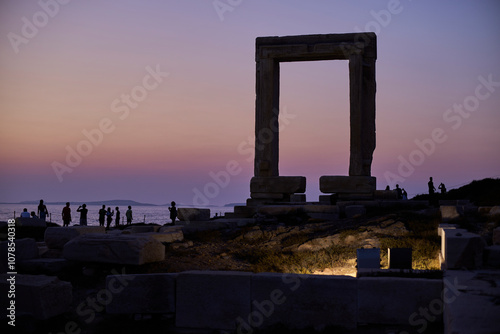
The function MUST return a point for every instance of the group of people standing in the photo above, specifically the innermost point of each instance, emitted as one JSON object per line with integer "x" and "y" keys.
{"x": 103, "y": 215}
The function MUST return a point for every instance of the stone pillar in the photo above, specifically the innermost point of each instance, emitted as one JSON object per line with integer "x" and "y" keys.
{"x": 368, "y": 86}
{"x": 266, "y": 118}
{"x": 355, "y": 96}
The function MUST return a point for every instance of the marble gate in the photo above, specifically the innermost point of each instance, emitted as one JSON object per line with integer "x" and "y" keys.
{"x": 360, "y": 49}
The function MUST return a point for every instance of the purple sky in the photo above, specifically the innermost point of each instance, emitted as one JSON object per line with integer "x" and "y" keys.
{"x": 156, "y": 99}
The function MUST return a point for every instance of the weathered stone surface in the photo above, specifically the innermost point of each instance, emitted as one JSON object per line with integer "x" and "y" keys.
{"x": 39, "y": 296}
{"x": 368, "y": 258}
{"x": 269, "y": 196}
{"x": 352, "y": 211}
{"x": 168, "y": 236}
{"x": 298, "y": 198}
{"x": 57, "y": 237}
{"x": 492, "y": 256}
{"x": 391, "y": 300}
{"x": 193, "y": 214}
{"x": 495, "y": 211}
{"x": 462, "y": 249}
{"x": 142, "y": 294}
{"x": 142, "y": 228}
{"x": 46, "y": 266}
{"x": 278, "y": 184}
{"x": 121, "y": 249}
{"x": 301, "y": 301}
{"x": 33, "y": 222}
{"x": 484, "y": 210}
{"x": 348, "y": 184}
{"x": 471, "y": 302}
{"x": 386, "y": 195}
{"x": 496, "y": 236}
{"x": 278, "y": 210}
{"x": 212, "y": 299}
{"x": 448, "y": 212}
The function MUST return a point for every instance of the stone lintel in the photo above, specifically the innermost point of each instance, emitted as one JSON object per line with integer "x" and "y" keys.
{"x": 267, "y": 195}
{"x": 278, "y": 184}
{"x": 347, "y": 184}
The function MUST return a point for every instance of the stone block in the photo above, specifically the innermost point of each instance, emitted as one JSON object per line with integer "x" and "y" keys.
{"x": 278, "y": 210}
{"x": 39, "y": 296}
{"x": 278, "y": 184}
{"x": 495, "y": 211}
{"x": 399, "y": 258}
{"x": 492, "y": 256}
{"x": 142, "y": 294}
{"x": 120, "y": 249}
{"x": 46, "y": 266}
{"x": 391, "y": 300}
{"x": 448, "y": 212}
{"x": 496, "y": 236}
{"x": 368, "y": 258}
{"x": 193, "y": 214}
{"x": 352, "y": 211}
{"x": 301, "y": 301}
{"x": 167, "y": 237}
{"x": 212, "y": 299}
{"x": 484, "y": 210}
{"x": 462, "y": 249}
{"x": 31, "y": 222}
{"x": 142, "y": 228}
{"x": 26, "y": 249}
{"x": 386, "y": 195}
{"x": 268, "y": 196}
{"x": 298, "y": 198}
{"x": 243, "y": 211}
{"x": 347, "y": 184}
{"x": 57, "y": 237}
{"x": 327, "y": 199}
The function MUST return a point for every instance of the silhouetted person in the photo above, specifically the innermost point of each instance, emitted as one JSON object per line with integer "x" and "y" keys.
{"x": 33, "y": 215}
{"x": 432, "y": 190}
{"x": 399, "y": 193}
{"x": 66, "y": 215}
{"x": 42, "y": 210}
{"x": 430, "y": 184}
{"x": 25, "y": 213}
{"x": 102, "y": 215}
{"x": 442, "y": 188}
{"x": 117, "y": 217}
{"x": 83, "y": 214}
{"x": 387, "y": 188}
{"x": 109, "y": 217}
{"x": 128, "y": 214}
{"x": 405, "y": 194}
{"x": 173, "y": 212}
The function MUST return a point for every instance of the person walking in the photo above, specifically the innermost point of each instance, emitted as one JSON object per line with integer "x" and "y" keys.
{"x": 66, "y": 215}
{"x": 128, "y": 214}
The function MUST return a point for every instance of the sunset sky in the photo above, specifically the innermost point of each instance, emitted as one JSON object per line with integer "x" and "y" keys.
{"x": 154, "y": 101}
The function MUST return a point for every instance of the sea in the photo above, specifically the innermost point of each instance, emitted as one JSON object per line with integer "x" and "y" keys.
{"x": 157, "y": 214}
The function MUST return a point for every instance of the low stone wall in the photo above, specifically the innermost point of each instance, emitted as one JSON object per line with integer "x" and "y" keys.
{"x": 244, "y": 302}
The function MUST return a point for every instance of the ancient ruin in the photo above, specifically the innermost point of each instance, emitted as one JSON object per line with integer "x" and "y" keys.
{"x": 361, "y": 51}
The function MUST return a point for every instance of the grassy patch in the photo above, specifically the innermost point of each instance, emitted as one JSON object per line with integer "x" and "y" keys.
{"x": 295, "y": 239}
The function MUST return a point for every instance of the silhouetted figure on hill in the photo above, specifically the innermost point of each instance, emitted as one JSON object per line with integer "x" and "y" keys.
{"x": 387, "y": 188}
{"x": 173, "y": 212}
{"x": 42, "y": 210}
{"x": 129, "y": 215}
{"x": 83, "y": 214}
{"x": 432, "y": 190}
{"x": 399, "y": 193}
{"x": 405, "y": 194}
{"x": 25, "y": 213}
{"x": 442, "y": 187}
{"x": 102, "y": 215}
{"x": 430, "y": 184}
{"x": 117, "y": 217}
{"x": 66, "y": 215}
{"x": 109, "y": 217}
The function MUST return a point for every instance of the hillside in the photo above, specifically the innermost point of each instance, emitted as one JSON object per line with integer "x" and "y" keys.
{"x": 484, "y": 192}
